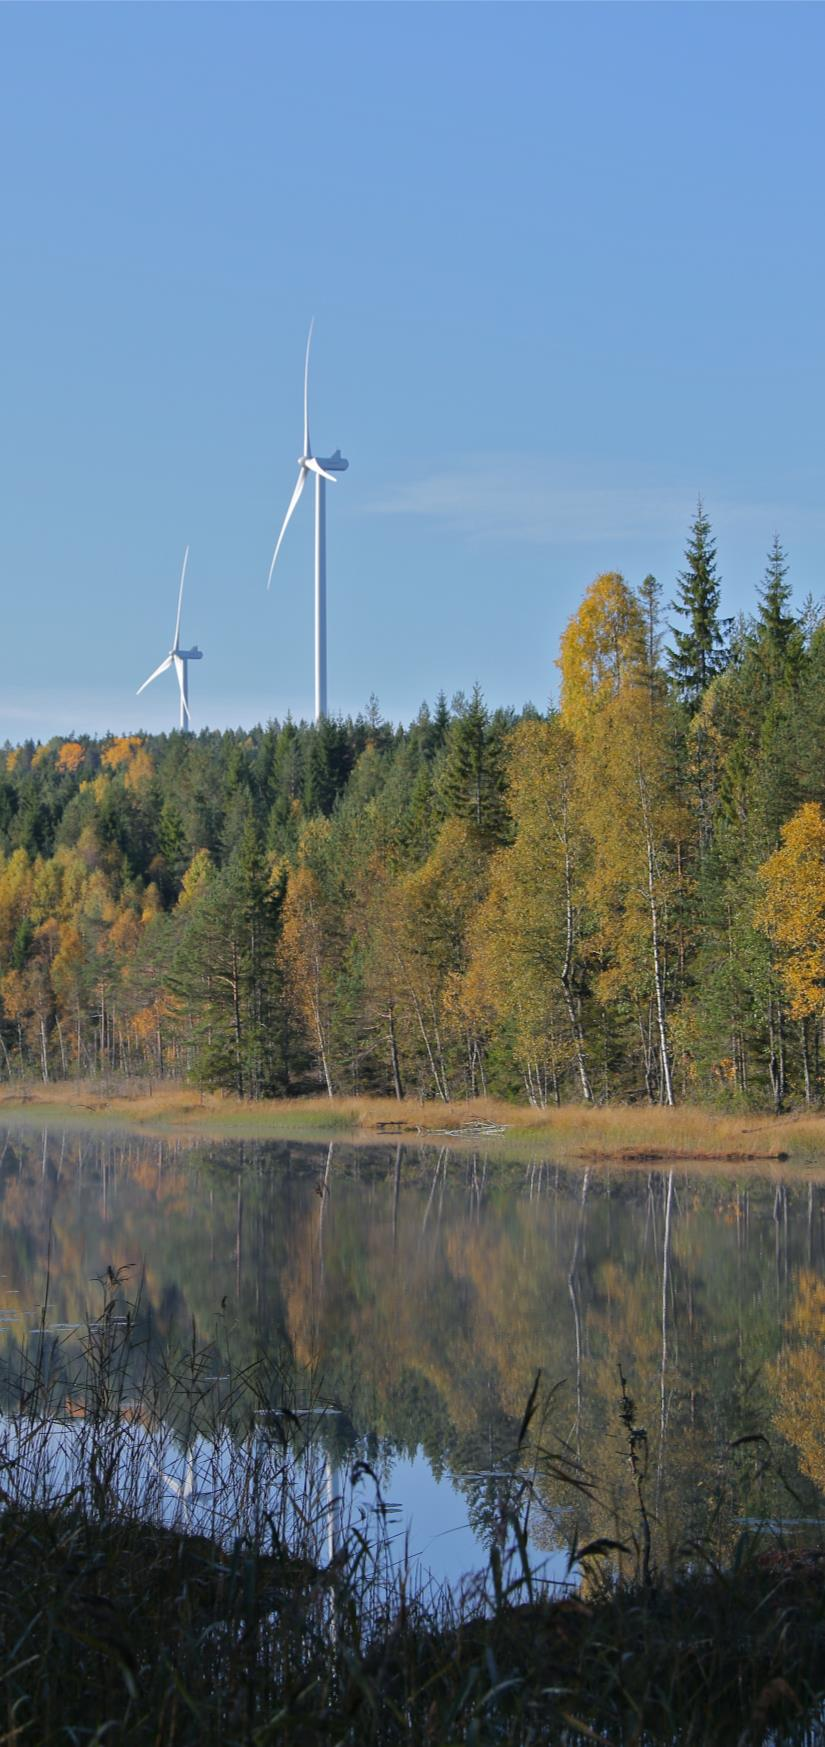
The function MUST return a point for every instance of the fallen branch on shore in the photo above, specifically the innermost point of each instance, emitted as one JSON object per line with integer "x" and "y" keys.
{"x": 391, "y": 1128}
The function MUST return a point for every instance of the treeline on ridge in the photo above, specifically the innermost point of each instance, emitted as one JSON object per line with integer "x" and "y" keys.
{"x": 624, "y": 897}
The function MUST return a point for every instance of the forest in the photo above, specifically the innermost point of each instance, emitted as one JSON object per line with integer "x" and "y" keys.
{"x": 620, "y": 898}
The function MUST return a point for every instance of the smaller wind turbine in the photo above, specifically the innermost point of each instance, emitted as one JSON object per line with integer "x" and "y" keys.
{"x": 178, "y": 658}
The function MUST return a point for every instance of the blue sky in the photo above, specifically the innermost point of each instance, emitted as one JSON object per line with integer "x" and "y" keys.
{"x": 566, "y": 265}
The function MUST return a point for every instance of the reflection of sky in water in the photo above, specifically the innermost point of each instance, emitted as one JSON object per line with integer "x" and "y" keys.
{"x": 232, "y": 1492}
{"x": 428, "y": 1288}
{"x": 440, "y": 1541}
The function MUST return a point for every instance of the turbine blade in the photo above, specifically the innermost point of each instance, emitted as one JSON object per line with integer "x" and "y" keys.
{"x": 307, "y": 450}
{"x": 161, "y": 669}
{"x": 287, "y": 519}
{"x": 180, "y": 598}
{"x": 179, "y": 672}
{"x": 315, "y": 467}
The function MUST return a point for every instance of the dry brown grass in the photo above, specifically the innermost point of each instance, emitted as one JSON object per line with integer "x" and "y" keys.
{"x": 635, "y": 1133}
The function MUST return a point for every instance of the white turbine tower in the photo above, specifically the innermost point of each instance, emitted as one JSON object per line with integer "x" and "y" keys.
{"x": 324, "y": 468}
{"x": 178, "y": 658}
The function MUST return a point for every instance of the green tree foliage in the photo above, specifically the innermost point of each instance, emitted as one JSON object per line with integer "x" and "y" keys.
{"x": 698, "y": 652}
{"x": 563, "y": 906}
{"x": 226, "y": 980}
{"x": 777, "y": 630}
{"x": 472, "y": 777}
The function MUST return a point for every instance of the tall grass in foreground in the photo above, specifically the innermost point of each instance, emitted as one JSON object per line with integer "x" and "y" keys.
{"x": 173, "y": 1571}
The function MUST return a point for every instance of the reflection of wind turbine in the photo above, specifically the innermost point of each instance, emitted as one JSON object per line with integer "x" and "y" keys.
{"x": 183, "y": 1490}
{"x": 324, "y": 469}
{"x": 178, "y": 658}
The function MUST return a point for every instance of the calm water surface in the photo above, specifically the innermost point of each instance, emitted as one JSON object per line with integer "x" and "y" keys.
{"x": 419, "y": 1293}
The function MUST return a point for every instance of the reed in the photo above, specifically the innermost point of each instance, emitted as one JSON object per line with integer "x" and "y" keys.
{"x": 168, "y": 1575}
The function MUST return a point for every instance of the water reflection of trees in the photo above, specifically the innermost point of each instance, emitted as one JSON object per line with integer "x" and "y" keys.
{"x": 428, "y": 1288}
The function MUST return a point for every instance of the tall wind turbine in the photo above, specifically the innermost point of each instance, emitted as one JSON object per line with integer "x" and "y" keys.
{"x": 324, "y": 468}
{"x": 178, "y": 658}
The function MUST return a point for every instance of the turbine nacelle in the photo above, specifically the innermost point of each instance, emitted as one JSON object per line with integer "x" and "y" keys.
{"x": 311, "y": 464}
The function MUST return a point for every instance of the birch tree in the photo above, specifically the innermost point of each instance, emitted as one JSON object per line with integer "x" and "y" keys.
{"x": 527, "y": 959}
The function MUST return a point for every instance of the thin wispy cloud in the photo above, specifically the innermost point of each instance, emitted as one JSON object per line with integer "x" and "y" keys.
{"x": 539, "y": 501}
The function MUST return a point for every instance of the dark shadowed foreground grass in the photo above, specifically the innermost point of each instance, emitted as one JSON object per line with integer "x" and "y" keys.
{"x": 150, "y": 1598}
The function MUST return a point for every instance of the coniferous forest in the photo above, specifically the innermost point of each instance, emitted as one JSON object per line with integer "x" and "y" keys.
{"x": 621, "y": 898}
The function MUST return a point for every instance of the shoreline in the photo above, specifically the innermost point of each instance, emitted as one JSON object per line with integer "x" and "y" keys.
{"x": 609, "y": 1134}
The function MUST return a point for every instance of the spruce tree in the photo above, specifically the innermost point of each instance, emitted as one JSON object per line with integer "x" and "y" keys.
{"x": 226, "y": 975}
{"x": 775, "y": 626}
{"x": 329, "y": 765}
{"x": 172, "y": 847}
{"x": 472, "y": 781}
{"x": 650, "y": 601}
{"x": 439, "y": 726}
{"x": 699, "y": 652}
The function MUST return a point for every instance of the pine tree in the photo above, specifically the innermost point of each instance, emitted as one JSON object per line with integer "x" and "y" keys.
{"x": 699, "y": 653}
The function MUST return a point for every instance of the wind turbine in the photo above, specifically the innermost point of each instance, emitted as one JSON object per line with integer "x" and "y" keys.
{"x": 178, "y": 658}
{"x": 324, "y": 468}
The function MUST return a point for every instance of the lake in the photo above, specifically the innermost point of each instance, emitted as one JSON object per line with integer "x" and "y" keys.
{"x": 412, "y": 1295}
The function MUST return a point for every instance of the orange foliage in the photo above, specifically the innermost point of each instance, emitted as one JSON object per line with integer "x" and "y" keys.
{"x": 121, "y": 751}
{"x": 70, "y": 756}
{"x": 124, "y": 933}
{"x": 47, "y": 939}
{"x": 146, "y": 1020}
{"x": 15, "y": 995}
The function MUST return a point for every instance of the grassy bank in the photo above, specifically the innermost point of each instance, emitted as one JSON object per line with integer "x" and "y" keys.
{"x": 633, "y": 1133}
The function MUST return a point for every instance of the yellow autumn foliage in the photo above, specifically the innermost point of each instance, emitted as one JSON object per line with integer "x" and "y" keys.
{"x": 124, "y": 933}
{"x": 197, "y": 875}
{"x": 151, "y": 905}
{"x": 139, "y": 773}
{"x": 799, "y": 1378}
{"x": 792, "y": 908}
{"x": 602, "y": 648}
{"x": 15, "y": 896}
{"x": 518, "y": 937}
